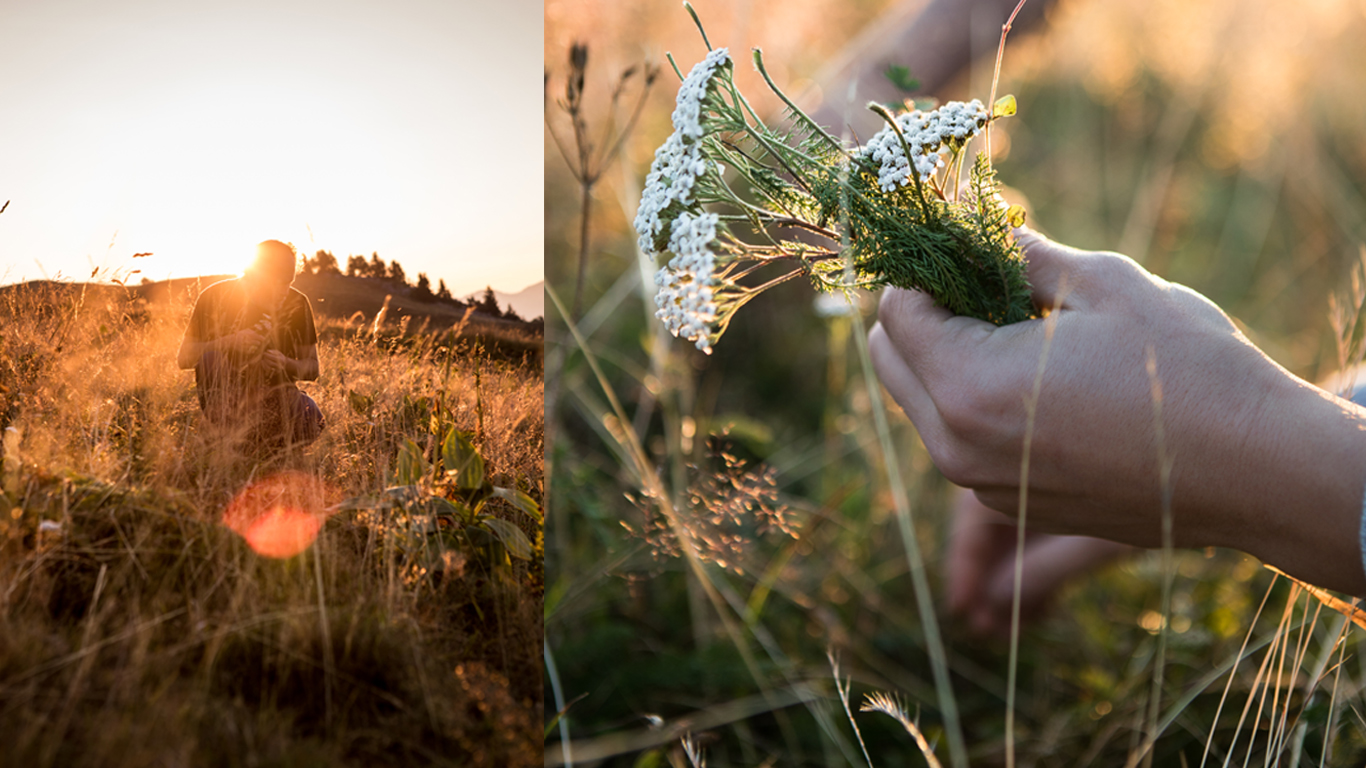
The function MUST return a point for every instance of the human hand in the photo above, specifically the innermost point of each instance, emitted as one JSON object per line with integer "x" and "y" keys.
{"x": 244, "y": 342}
{"x": 979, "y": 567}
{"x": 275, "y": 361}
{"x": 1260, "y": 460}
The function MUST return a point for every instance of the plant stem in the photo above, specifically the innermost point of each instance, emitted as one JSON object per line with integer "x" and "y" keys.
{"x": 996, "y": 75}
{"x": 943, "y": 684}
{"x": 584, "y": 211}
{"x": 1031, "y": 409}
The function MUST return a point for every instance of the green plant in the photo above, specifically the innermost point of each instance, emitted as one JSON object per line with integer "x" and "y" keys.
{"x": 895, "y": 211}
{"x": 442, "y": 507}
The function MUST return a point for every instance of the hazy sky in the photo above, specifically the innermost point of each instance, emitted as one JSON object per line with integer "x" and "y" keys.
{"x": 194, "y": 130}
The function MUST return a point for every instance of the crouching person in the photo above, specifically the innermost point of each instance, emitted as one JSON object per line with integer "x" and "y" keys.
{"x": 249, "y": 340}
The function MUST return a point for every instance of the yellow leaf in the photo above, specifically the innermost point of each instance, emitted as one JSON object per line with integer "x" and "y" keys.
{"x": 1004, "y": 107}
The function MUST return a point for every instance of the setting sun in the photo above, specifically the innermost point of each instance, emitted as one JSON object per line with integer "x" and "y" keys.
{"x": 342, "y": 127}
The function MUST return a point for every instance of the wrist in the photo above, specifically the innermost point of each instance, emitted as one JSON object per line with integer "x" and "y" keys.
{"x": 1301, "y": 488}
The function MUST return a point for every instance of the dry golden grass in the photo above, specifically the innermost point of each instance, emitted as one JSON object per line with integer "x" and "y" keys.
{"x": 135, "y": 629}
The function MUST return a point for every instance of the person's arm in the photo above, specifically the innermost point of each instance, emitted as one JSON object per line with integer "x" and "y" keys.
{"x": 979, "y": 565}
{"x": 302, "y": 368}
{"x": 935, "y": 42}
{"x": 1261, "y": 460}
{"x": 191, "y": 349}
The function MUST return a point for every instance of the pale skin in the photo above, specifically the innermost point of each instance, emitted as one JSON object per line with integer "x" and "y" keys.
{"x": 1261, "y": 461}
{"x": 935, "y": 42}
{"x": 979, "y": 566}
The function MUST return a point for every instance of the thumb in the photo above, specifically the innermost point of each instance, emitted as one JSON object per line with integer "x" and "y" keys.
{"x": 1053, "y": 269}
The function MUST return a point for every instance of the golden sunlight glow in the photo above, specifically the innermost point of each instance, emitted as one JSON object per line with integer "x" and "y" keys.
{"x": 199, "y": 182}
{"x": 193, "y": 131}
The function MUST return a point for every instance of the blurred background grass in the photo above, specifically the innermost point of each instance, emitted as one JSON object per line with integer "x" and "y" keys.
{"x": 1218, "y": 143}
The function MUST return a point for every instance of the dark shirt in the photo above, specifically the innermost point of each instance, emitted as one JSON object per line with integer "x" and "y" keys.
{"x": 224, "y": 308}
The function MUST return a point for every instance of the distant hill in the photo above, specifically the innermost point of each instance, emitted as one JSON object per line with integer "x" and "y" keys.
{"x": 529, "y": 302}
{"x": 336, "y": 296}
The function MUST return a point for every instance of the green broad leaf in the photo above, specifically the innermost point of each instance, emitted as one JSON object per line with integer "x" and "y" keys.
{"x": 1004, "y": 106}
{"x": 1015, "y": 214}
{"x": 411, "y": 465}
{"x": 900, "y": 76}
{"x": 518, "y": 545}
{"x": 462, "y": 459}
{"x": 519, "y": 499}
{"x": 438, "y": 507}
{"x": 361, "y": 404}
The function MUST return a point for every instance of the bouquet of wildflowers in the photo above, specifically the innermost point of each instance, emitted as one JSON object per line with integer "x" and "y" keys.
{"x": 728, "y": 196}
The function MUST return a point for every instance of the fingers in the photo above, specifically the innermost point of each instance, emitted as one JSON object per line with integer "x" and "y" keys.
{"x": 922, "y": 331}
{"x": 981, "y": 538}
{"x": 903, "y": 385}
{"x": 1050, "y": 563}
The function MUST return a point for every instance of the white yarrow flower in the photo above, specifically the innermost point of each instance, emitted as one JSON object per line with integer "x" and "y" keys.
{"x": 678, "y": 162}
{"x": 686, "y": 297}
{"x": 926, "y": 134}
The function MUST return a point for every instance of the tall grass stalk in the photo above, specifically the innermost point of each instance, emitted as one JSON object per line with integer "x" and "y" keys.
{"x": 1264, "y": 677}
{"x": 1022, "y": 514}
{"x": 943, "y": 683}
{"x": 137, "y": 629}
{"x": 1341, "y": 646}
{"x": 725, "y": 603}
{"x": 1164, "y": 470}
{"x": 649, "y": 480}
{"x": 886, "y": 704}
{"x": 842, "y": 689}
{"x": 1237, "y": 659}
{"x": 553, "y": 673}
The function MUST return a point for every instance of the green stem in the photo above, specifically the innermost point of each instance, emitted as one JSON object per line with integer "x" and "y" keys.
{"x": 943, "y": 684}
{"x": 886, "y": 115}
{"x": 801, "y": 116}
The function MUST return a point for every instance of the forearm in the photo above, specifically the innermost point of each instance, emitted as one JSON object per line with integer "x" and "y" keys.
{"x": 192, "y": 351}
{"x": 937, "y": 43}
{"x": 305, "y": 369}
{"x": 1140, "y": 371}
{"x": 1297, "y": 496}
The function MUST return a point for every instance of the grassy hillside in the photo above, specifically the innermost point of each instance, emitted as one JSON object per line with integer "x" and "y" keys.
{"x": 137, "y": 629}
{"x": 351, "y": 303}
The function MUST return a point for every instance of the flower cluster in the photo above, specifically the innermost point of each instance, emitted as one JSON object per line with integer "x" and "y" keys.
{"x": 727, "y": 506}
{"x": 678, "y": 162}
{"x": 686, "y": 298}
{"x": 869, "y": 229}
{"x": 927, "y": 135}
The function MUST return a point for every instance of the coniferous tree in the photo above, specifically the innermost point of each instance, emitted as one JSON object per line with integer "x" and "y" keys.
{"x": 396, "y": 273}
{"x": 488, "y": 304}
{"x": 423, "y": 290}
{"x": 377, "y": 266}
{"x": 442, "y": 292}
{"x": 357, "y": 266}
{"x": 324, "y": 263}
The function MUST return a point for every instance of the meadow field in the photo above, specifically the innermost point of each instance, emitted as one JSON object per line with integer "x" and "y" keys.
{"x": 137, "y": 629}
{"x": 725, "y": 532}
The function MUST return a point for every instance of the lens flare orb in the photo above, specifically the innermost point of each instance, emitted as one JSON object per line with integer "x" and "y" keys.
{"x": 279, "y": 516}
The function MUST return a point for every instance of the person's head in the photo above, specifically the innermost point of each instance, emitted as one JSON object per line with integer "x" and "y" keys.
{"x": 272, "y": 271}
